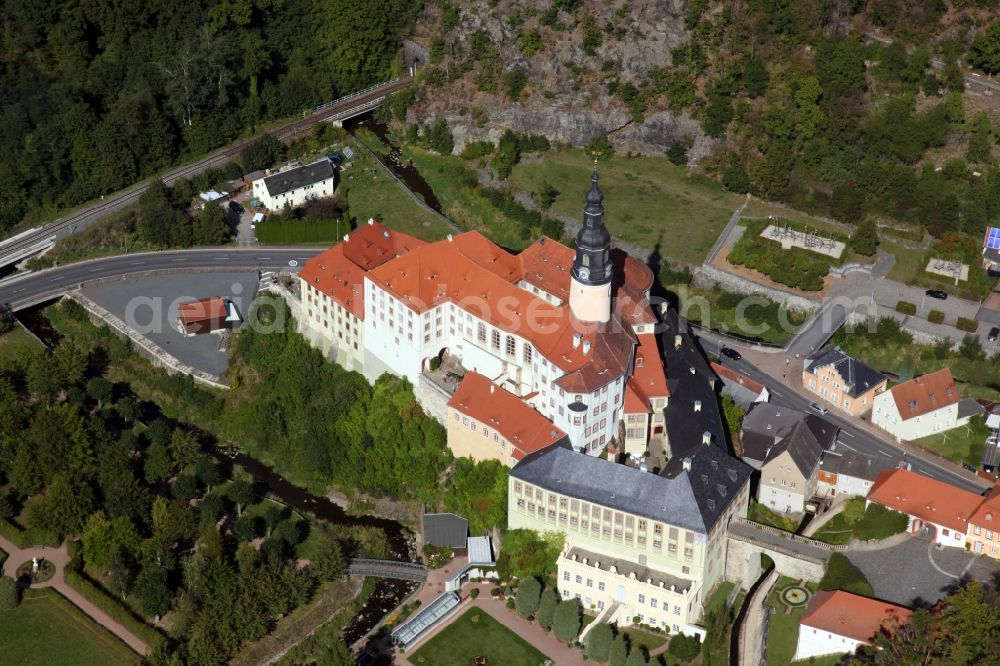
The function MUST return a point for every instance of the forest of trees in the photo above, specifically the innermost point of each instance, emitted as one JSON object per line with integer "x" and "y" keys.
{"x": 163, "y": 526}
{"x": 94, "y": 96}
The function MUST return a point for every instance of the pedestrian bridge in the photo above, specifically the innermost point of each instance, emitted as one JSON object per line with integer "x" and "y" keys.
{"x": 794, "y": 556}
{"x": 387, "y": 569}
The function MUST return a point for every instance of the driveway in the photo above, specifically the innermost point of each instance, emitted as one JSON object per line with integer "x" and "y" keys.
{"x": 917, "y": 573}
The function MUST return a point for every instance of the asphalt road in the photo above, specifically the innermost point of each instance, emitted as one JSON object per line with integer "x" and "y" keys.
{"x": 851, "y": 435}
{"x": 38, "y": 287}
{"x": 810, "y": 338}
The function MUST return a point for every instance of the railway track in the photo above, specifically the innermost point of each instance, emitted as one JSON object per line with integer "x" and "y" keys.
{"x": 336, "y": 110}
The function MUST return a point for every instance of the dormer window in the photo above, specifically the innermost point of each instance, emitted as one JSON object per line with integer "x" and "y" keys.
{"x": 638, "y": 361}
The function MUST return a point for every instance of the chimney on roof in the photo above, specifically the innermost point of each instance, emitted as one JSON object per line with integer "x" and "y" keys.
{"x": 586, "y": 347}
{"x": 686, "y": 464}
{"x": 347, "y": 237}
{"x": 677, "y": 341}
{"x": 371, "y": 221}
{"x": 385, "y": 233}
{"x": 449, "y": 238}
{"x": 692, "y": 369}
{"x": 492, "y": 388}
{"x": 576, "y": 340}
{"x": 697, "y": 406}
{"x": 706, "y": 437}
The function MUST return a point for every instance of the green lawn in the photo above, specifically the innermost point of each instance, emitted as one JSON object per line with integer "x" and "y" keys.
{"x": 761, "y": 514}
{"x": 648, "y": 199}
{"x": 45, "y": 630}
{"x": 963, "y": 444}
{"x": 731, "y": 312}
{"x": 453, "y": 182}
{"x": 17, "y": 343}
{"x": 476, "y": 633}
{"x": 783, "y": 631}
{"x": 380, "y": 197}
{"x": 875, "y": 522}
{"x": 640, "y": 638}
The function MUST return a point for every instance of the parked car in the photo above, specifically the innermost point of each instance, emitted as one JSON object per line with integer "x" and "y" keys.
{"x": 731, "y": 353}
{"x": 236, "y": 208}
{"x": 937, "y": 293}
{"x": 993, "y": 334}
{"x": 818, "y": 408}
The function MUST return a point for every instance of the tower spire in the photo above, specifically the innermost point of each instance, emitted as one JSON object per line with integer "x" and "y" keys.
{"x": 590, "y": 299}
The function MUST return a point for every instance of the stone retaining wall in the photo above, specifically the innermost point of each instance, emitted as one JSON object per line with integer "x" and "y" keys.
{"x": 708, "y": 277}
{"x": 143, "y": 345}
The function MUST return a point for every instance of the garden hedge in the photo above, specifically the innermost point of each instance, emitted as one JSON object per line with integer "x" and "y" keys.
{"x": 967, "y": 325}
{"x": 907, "y": 308}
{"x": 935, "y": 317}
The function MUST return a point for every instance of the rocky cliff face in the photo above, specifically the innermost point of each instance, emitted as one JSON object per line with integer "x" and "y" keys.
{"x": 566, "y": 96}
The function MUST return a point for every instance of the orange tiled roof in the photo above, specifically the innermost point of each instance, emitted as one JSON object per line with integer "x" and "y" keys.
{"x": 338, "y": 278}
{"x": 546, "y": 264}
{"x": 924, "y": 394}
{"x": 526, "y": 429}
{"x": 737, "y": 377}
{"x": 340, "y": 271}
{"x": 925, "y": 498}
{"x": 988, "y": 513}
{"x": 648, "y": 375}
{"x": 635, "y": 403}
{"x": 846, "y": 614}
{"x": 373, "y": 244}
{"x": 200, "y": 310}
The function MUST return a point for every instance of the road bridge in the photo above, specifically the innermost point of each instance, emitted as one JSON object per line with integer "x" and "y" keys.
{"x": 34, "y": 240}
{"x": 793, "y": 555}
{"x": 387, "y": 569}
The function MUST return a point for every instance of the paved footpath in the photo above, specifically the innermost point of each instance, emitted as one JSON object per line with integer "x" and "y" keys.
{"x": 60, "y": 558}
{"x": 530, "y": 632}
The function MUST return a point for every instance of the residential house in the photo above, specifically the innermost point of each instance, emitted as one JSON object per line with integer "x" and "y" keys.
{"x": 842, "y": 381}
{"x": 744, "y": 391}
{"x": 991, "y": 249}
{"x": 295, "y": 186}
{"x": 766, "y": 424}
{"x": 846, "y": 472}
{"x": 487, "y": 422}
{"x": 652, "y": 544}
{"x": 928, "y": 503}
{"x": 646, "y": 396}
{"x": 983, "y": 533}
{"x": 836, "y": 622}
{"x": 923, "y": 406}
{"x": 788, "y": 474}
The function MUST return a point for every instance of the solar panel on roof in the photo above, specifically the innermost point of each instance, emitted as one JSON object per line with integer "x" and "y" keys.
{"x": 993, "y": 238}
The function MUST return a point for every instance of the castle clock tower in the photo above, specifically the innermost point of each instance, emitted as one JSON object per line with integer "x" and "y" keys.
{"x": 590, "y": 289}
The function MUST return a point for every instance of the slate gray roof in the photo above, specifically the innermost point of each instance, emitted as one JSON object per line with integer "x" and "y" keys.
{"x": 824, "y": 431}
{"x": 692, "y": 499}
{"x": 764, "y": 425}
{"x": 991, "y": 455}
{"x": 853, "y": 463}
{"x": 445, "y": 529}
{"x": 992, "y": 254}
{"x": 293, "y": 179}
{"x": 858, "y": 377}
{"x": 968, "y": 407}
{"x": 690, "y": 380}
{"x": 802, "y": 446}
{"x": 625, "y": 568}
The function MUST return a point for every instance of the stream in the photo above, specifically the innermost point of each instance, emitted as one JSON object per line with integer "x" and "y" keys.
{"x": 387, "y": 595}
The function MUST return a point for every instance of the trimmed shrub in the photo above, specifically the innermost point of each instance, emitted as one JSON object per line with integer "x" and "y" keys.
{"x": 547, "y": 608}
{"x": 684, "y": 647}
{"x": 566, "y": 623}
{"x": 529, "y": 592}
{"x": 967, "y": 325}
{"x": 905, "y": 307}
{"x": 935, "y": 317}
{"x": 9, "y": 597}
{"x": 599, "y": 643}
{"x": 474, "y": 593}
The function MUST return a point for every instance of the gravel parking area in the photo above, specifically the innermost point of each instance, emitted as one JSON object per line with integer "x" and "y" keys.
{"x": 918, "y": 573}
{"x": 149, "y": 305}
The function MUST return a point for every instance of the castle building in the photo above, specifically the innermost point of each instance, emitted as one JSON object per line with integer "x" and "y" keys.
{"x": 567, "y": 332}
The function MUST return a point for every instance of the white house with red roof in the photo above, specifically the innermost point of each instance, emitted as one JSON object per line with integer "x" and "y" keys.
{"x": 569, "y": 332}
{"x": 923, "y": 406}
{"x": 836, "y": 622}
{"x": 928, "y": 503}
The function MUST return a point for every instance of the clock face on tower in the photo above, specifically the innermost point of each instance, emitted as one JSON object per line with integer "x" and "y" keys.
{"x": 584, "y": 273}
